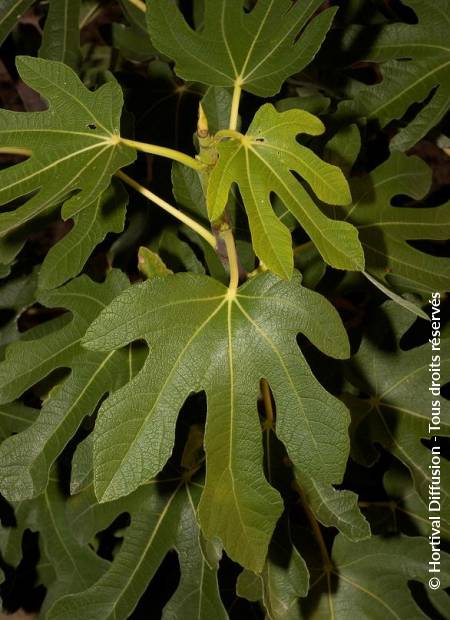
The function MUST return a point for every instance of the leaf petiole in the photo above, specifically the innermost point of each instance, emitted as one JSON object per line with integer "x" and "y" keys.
{"x": 163, "y": 151}
{"x": 234, "y": 114}
{"x": 139, "y": 4}
{"x": 195, "y": 226}
{"x": 227, "y": 235}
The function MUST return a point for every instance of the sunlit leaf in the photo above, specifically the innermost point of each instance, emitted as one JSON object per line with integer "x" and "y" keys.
{"x": 262, "y": 162}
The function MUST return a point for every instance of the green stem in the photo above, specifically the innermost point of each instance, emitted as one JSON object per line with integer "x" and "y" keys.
{"x": 138, "y": 4}
{"x": 227, "y": 235}
{"x": 229, "y": 133}
{"x": 187, "y": 160}
{"x": 235, "y": 107}
{"x": 195, "y": 226}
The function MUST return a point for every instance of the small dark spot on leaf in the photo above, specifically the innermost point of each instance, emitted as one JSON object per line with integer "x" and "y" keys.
{"x": 92, "y": 126}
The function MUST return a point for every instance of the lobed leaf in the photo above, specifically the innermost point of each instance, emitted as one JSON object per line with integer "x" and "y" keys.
{"x": 162, "y": 518}
{"x": 396, "y": 411}
{"x": 262, "y": 162}
{"x": 256, "y": 50}
{"x": 372, "y": 578}
{"x": 415, "y": 61}
{"x": 250, "y": 336}
{"x": 74, "y": 144}
{"x": 25, "y": 458}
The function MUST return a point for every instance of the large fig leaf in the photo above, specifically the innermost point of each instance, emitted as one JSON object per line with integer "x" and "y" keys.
{"x": 396, "y": 411}
{"x": 256, "y": 50}
{"x": 246, "y": 337}
{"x": 162, "y": 518}
{"x": 385, "y": 230}
{"x": 74, "y": 144}
{"x": 415, "y": 60}
{"x": 370, "y": 579}
{"x": 262, "y": 162}
{"x": 26, "y": 457}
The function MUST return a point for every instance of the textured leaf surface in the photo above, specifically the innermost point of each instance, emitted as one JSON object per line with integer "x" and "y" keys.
{"x": 257, "y": 50}
{"x": 61, "y": 38}
{"x": 161, "y": 519}
{"x": 76, "y": 565}
{"x": 26, "y": 457}
{"x": 261, "y": 163}
{"x": 396, "y": 412}
{"x": 74, "y": 144}
{"x": 370, "y": 579}
{"x": 283, "y": 580}
{"x": 250, "y": 336}
{"x": 335, "y": 508}
{"x": 415, "y": 66}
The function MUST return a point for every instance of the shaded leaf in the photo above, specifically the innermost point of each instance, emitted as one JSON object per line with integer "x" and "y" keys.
{"x": 396, "y": 411}
{"x": 283, "y": 580}
{"x": 10, "y": 12}
{"x": 386, "y": 230}
{"x": 26, "y": 457}
{"x": 161, "y": 519}
{"x": 371, "y": 579}
{"x": 257, "y": 50}
{"x": 68, "y": 256}
{"x": 414, "y": 63}
{"x": 61, "y": 38}
{"x": 335, "y": 508}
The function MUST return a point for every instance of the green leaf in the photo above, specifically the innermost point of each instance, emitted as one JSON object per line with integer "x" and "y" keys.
{"x": 178, "y": 254}
{"x": 216, "y": 104}
{"x": 256, "y": 50}
{"x": 197, "y": 595}
{"x": 82, "y": 128}
{"x": 247, "y": 337}
{"x": 261, "y": 163}
{"x": 10, "y": 12}
{"x": 414, "y": 61}
{"x": 82, "y": 465}
{"x": 150, "y": 264}
{"x": 161, "y": 519}
{"x": 343, "y": 148}
{"x": 26, "y": 457}
{"x": 61, "y": 38}
{"x": 283, "y": 580}
{"x": 370, "y": 579}
{"x": 334, "y": 508}
{"x": 68, "y": 256}
{"x": 15, "y": 418}
{"x": 396, "y": 411}
{"x": 133, "y": 40}
{"x": 385, "y": 230}
{"x": 75, "y": 565}
{"x": 16, "y": 295}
